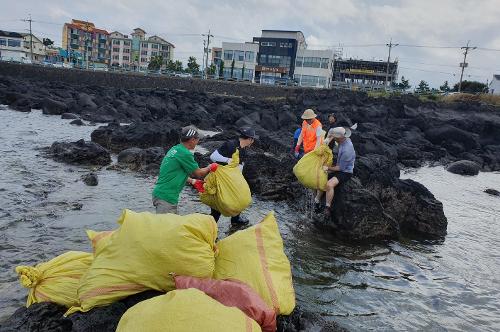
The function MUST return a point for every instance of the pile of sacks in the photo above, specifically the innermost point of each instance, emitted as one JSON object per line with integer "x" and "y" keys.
{"x": 240, "y": 283}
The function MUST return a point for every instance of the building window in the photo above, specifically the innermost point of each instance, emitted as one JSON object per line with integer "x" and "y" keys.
{"x": 228, "y": 55}
{"x": 126, "y": 42}
{"x": 145, "y": 45}
{"x": 324, "y": 63}
{"x": 286, "y": 45}
{"x": 298, "y": 61}
{"x": 126, "y": 50}
{"x": 155, "y": 46}
{"x": 154, "y": 53}
{"x": 116, "y": 49}
{"x": 125, "y": 58}
{"x": 116, "y": 42}
{"x": 164, "y": 47}
{"x": 13, "y": 43}
{"x": 217, "y": 54}
{"x": 239, "y": 56}
{"x": 3, "y": 42}
{"x": 144, "y": 52}
{"x": 313, "y": 81}
{"x": 249, "y": 56}
{"x": 116, "y": 57}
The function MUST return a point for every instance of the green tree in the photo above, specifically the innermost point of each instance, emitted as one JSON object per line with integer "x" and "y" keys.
{"x": 232, "y": 68}
{"x": 212, "y": 69}
{"x": 404, "y": 84}
{"x": 471, "y": 87}
{"x": 192, "y": 66}
{"x": 155, "y": 63}
{"x": 445, "y": 87}
{"x": 221, "y": 69}
{"x": 423, "y": 87}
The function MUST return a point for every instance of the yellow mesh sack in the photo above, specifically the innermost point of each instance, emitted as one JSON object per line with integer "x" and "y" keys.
{"x": 56, "y": 280}
{"x": 226, "y": 190}
{"x": 187, "y": 310}
{"x": 255, "y": 256}
{"x": 143, "y": 251}
{"x": 309, "y": 169}
{"x": 98, "y": 240}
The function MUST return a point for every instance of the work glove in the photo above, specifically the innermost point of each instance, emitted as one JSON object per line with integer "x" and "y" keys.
{"x": 198, "y": 185}
{"x": 213, "y": 167}
{"x": 325, "y": 168}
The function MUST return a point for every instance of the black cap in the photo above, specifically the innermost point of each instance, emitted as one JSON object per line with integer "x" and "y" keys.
{"x": 248, "y": 132}
{"x": 190, "y": 132}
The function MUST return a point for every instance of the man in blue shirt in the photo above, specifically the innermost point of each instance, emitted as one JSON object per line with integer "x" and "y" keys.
{"x": 342, "y": 171}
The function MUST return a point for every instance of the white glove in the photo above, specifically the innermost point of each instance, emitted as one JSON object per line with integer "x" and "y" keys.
{"x": 229, "y": 160}
{"x": 325, "y": 168}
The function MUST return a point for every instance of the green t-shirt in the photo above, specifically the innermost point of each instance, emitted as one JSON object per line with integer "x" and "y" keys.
{"x": 175, "y": 168}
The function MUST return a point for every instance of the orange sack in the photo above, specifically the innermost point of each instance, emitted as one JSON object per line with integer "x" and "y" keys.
{"x": 233, "y": 293}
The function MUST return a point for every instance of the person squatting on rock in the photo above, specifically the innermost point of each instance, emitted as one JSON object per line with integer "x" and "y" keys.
{"x": 223, "y": 156}
{"x": 311, "y": 135}
{"x": 175, "y": 169}
{"x": 342, "y": 171}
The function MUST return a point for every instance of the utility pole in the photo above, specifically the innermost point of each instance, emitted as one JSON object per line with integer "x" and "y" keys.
{"x": 206, "y": 52}
{"x": 390, "y": 45}
{"x": 31, "y": 37}
{"x": 464, "y": 64}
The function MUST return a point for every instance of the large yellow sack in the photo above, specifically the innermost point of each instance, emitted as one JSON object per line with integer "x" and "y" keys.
{"x": 226, "y": 190}
{"x": 309, "y": 169}
{"x": 142, "y": 252}
{"x": 255, "y": 256}
{"x": 98, "y": 240}
{"x": 56, "y": 280}
{"x": 186, "y": 310}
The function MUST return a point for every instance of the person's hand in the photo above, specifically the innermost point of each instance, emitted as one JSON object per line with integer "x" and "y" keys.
{"x": 198, "y": 185}
{"x": 326, "y": 168}
{"x": 213, "y": 167}
{"x": 297, "y": 149}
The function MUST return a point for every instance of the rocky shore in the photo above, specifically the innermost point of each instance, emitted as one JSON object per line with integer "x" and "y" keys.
{"x": 393, "y": 133}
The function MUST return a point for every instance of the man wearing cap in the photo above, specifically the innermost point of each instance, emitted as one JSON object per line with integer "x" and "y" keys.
{"x": 175, "y": 169}
{"x": 223, "y": 156}
{"x": 311, "y": 133}
{"x": 342, "y": 171}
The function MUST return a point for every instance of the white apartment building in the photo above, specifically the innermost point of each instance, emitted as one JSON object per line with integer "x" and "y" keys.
{"x": 245, "y": 60}
{"x": 121, "y": 50}
{"x": 314, "y": 68}
{"x": 494, "y": 86}
{"x": 11, "y": 46}
{"x": 136, "y": 52}
{"x": 38, "y": 47}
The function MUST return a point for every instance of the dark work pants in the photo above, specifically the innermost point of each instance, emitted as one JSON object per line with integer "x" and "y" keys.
{"x": 216, "y": 214}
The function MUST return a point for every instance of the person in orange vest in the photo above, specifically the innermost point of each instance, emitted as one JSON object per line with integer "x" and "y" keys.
{"x": 311, "y": 134}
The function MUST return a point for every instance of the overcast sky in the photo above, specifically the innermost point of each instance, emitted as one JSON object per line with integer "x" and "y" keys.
{"x": 355, "y": 24}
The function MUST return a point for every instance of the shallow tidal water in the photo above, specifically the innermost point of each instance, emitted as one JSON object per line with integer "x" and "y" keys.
{"x": 449, "y": 285}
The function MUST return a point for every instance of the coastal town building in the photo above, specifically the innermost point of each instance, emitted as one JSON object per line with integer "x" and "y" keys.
{"x": 277, "y": 52}
{"x": 314, "y": 68}
{"x": 12, "y": 46}
{"x": 135, "y": 52}
{"x": 83, "y": 37}
{"x": 38, "y": 49}
{"x": 363, "y": 74}
{"x": 494, "y": 86}
{"x": 240, "y": 60}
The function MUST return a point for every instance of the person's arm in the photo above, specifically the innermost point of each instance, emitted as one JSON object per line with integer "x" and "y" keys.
{"x": 216, "y": 157}
{"x": 299, "y": 140}
{"x": 319, "y": 132}
{"x": 201, "y": 172}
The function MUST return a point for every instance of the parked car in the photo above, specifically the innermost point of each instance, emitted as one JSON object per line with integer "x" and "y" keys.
{"x": 58, "y": 65}
{"x": 183, "y": 75}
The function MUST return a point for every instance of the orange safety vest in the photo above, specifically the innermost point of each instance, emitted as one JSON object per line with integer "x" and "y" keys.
{"x": 309, "y": 135}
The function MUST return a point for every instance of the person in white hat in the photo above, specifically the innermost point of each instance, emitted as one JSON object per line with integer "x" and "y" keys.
{"x": 342, "y": 171}
{"x": 311, "y": 134}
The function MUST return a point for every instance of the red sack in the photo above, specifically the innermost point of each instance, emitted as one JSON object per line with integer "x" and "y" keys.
{"x": 233, "y": 293}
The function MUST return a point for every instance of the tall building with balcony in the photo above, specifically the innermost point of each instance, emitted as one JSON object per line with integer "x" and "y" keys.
{"x": 120, "y": 50}
{"x": 240, "y": 60}
{"x": 91, "y": 42}
{"x": 143, "y": 49}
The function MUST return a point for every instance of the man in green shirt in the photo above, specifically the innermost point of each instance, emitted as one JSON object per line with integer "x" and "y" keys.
{"x": 177, "y": 165}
